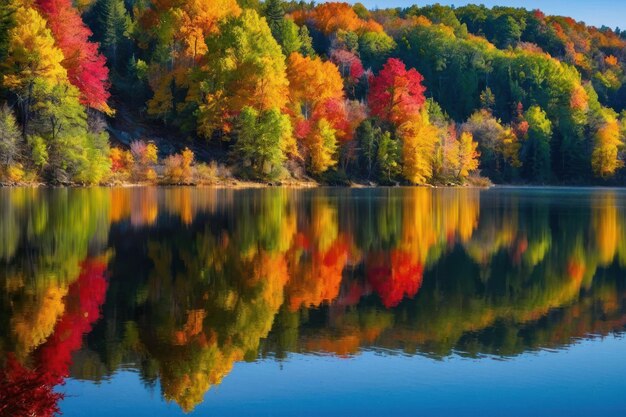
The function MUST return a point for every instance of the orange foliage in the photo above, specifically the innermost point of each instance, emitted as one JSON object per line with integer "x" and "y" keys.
{"x": 120, "y": 204}
{"x": 192, "y": 327}
{"x": 312, "y": 82}
{"x": 319, "y": 281}
{"x": 343, "y": 346}
{"x": 331, "y": 17}
{"x": 611, "y": 61}
{"x": 579, "y": 99}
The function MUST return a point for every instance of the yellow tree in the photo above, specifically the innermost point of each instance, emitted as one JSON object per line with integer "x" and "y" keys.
{"x": 32, "y": 53}
{"x": 32, "y": 56}
{"x": 321, "y": 146}
{"x": 245, "y": 68}
{"x": 604, "y": 159}
{"x": 200, "y": 19}
{"x": 468, "y": 155}
{"x": 418, "y": 147}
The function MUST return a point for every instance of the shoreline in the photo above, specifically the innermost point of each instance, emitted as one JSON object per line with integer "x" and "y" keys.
{"x": 247, "y": 185}
{"x": 237, "y": 184}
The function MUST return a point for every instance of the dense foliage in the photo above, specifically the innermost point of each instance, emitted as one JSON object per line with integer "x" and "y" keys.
{"x": 431, "y": 94}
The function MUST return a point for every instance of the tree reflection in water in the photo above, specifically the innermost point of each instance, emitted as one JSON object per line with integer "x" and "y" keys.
{"x": 182, "y": 283}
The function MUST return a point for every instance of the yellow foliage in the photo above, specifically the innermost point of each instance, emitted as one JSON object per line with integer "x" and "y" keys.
{"x": 321, "y": 145}
{"x": 121, "y": 161}
{"x": 195, "y": 20}
{"x": 418, "y": 147}
{"x": 510, "y": 148}
{"x": 32, "y": 53}
{"x": 33, "y": 326}
{"x": 605, "y": 157}
{"x": 468, "y": 155}
{"x": 188, "y": 157}
{"x": 15, "y": 173}
{"x": 200, "y": 19}
{"x": 151, "y": 155}
{"x": 151, "y": 175}
{"x": 178, "y": 167}
{"x": 606, "y": 228}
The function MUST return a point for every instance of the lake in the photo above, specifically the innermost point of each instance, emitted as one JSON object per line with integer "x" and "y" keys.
{"x": 273, "y": 302}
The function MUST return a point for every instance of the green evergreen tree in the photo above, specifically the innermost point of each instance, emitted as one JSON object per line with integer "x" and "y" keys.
{"x": 6, "y": 23}
{"x": 113, "y": 28}
{"x": 306, "y": 42}
{"x": 274, "y": 13}
{"x": 367, "y": 137}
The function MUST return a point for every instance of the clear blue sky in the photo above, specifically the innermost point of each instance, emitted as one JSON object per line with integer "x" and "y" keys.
{"x": 611, "y": 13}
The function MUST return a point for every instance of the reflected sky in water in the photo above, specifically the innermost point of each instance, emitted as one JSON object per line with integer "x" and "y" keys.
{"x": 169, "y": 301}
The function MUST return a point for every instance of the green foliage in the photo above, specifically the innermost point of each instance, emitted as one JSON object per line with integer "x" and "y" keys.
{"x": 389, "y": 155}
{"x": 306, "y": 42}
{"x": 248, "y": 69}
{"x": 10, "y": 136}
{"x": 289, "y": 37}
{"x": 7, "y": 21}
{"x": 375, "y": 48}
{"x": 322, "y": 147}
{"x": 73, "y": 153}
{"x": 437, "y": 13}
{"x": 113, "y": 27}
{"x": 261, "y": 138}
{"x": 367, "y": 137}
{"x": 497, "y": 145}
{"x": 274, "y": 13}
{"x": 535, "y": 151}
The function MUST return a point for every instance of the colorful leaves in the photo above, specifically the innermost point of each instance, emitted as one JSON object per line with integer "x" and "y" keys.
{"x": 86, "y": 67}
{"x": 32, "y": 52}
{"x": 396, "y": 94}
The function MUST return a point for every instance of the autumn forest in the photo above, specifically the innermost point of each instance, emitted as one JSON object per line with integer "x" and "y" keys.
{"x": 294, "y": 91}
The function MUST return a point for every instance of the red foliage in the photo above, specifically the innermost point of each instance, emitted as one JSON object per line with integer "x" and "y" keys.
{"x": 30, "y": 392}
{"x": 302, "y": 129}
{"x": 26, "y": 392}
{"x": 86, "y": 68}
{"x": 335, "y": 112}
{"x": 357, "y": 70}
{"x": 83, "y": 301}
{"x": 397, "y": 279}
{"x": 396, "y": 94}
{"x": 350, "y": 66}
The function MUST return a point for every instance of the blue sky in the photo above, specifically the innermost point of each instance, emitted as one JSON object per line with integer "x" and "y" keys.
{"x": 611, "y": 13}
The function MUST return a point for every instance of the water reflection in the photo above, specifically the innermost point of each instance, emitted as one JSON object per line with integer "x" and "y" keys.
{"x": 182, "y": 283}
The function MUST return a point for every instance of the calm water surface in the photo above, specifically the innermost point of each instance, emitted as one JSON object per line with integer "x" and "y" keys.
{"x": 174, "y": 301}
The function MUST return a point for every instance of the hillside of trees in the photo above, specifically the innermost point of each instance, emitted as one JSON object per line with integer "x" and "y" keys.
{"x": 284, "y": 90}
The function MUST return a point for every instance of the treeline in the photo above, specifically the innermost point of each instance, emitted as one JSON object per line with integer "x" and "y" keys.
{"x": 337, "y": 92}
